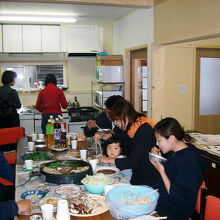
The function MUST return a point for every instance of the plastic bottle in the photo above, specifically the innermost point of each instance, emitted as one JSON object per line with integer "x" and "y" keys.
{"x": 76, "y": 102}
{"x": 63, "y": 128}
{"x": 57, "y": 130}
{"x": 50, "y": 133}
{"x": 52, "y": 119}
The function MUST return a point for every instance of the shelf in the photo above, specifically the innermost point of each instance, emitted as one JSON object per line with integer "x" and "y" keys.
{"x": 107, "y": 83}
{"x": 109, "y": 57}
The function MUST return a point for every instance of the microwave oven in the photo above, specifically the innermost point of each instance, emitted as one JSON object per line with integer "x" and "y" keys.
{"x": 101, "y": 96}
{"x": 109, "y": 74}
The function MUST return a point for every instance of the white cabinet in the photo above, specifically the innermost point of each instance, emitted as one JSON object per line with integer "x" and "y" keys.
{"x": 12, "y": 38}
{"x": 27, "y": 121}
{"x": 50, "y": 38}
{"x": 37, "y": 123}
{"x": 76, "y": 127}
{"x": 83, "y": 38}
{"x": 31, "y": 38}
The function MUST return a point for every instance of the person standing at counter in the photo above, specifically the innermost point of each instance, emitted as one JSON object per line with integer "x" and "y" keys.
{"x": 136, "y": 132}
{"x": 9, "y": 101}
{"x": 50, "y": 100}
{"x": 181, "y": 175}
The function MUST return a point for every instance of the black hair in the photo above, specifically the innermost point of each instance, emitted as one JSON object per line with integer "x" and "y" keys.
{"x": 111, "y": 140}
{"x": 8, "y": 76}
{"x": 50, "y": 78}
{"x": 110, "y": 101}
{"x": 170, "y": 126}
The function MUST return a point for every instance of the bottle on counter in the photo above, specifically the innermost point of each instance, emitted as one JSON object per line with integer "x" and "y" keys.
{"x": 57, "y": 130}
{"x": 49, "y": 134}
{"x": 52, "y": 119}
{"x": 63, "y": 128}
{"x": 77, "y": 105}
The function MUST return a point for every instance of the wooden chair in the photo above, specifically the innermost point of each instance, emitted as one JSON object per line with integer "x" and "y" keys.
{"x": 10, "y": 136}
{"x": 212, "y": 208}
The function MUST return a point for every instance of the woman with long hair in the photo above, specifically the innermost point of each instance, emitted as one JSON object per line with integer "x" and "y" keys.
{"x": 137, "y": 135}
{"x": 181, "y": 175}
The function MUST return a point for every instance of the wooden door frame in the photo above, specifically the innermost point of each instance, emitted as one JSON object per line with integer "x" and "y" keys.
{"x": 127, "y": 73}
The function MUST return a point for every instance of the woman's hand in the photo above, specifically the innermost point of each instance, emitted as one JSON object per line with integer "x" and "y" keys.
{"x": 25, "y": 206}
{"x": 155, "y": 150}
{"x": 158, "y": 166}
{"x": 101, "y": 135}
{"x": 104, "y": 159}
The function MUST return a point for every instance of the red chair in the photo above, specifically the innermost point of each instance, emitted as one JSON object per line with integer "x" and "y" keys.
{"x": 10, "y": 136}
{"x": 212, "y": 208}
{"x": 200, "y": 203}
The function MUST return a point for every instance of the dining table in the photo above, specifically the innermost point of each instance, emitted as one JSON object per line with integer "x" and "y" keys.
{"x": 35, "y": 183}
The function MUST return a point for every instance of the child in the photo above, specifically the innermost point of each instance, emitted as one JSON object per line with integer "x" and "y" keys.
{"x": 182, "y": 173}
{"x": 113, "y": 149}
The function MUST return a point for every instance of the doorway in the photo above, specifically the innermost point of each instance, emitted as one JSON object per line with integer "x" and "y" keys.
{"x": 207, "y": 91}
{"x": 137, "y": 78}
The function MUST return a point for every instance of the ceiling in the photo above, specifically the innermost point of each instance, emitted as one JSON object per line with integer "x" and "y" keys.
{"x": 88, "y": 14}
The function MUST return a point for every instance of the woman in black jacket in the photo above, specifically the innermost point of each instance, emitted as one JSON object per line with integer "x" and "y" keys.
{"x": 137, "y": 135}
{"x": 9, "y": 101}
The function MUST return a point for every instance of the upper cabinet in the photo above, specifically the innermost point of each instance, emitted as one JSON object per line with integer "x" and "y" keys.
{"x": 12, "y": 38}
{"x": 83, "y": 38}
{"x": 50, "y": 38}
{"x": 31, "y": 38}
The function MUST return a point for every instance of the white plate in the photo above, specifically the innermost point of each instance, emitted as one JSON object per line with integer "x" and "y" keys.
{"x": 67, "y": 189}
{"x": 107, "y": 168}
{"x": 155, "y": 158}
{"x": 59, "y": 149}
{"x": 97, "y": 211}
{"x": 40, "y": 145}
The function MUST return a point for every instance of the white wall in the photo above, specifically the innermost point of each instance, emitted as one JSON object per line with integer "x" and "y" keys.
{"x": 133, "y": 30}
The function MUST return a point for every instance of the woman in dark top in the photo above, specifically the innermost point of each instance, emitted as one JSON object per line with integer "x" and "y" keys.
{"x": 9, "y": 101}
{"x": 182, "y": 173}
{"x": 137, "y": 136}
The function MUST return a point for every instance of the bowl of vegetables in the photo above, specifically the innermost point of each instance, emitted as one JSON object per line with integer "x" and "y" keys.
{"x": 37, "y": 156}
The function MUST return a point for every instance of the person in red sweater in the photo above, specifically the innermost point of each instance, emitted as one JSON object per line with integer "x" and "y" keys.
{"x": 50, "y": 100}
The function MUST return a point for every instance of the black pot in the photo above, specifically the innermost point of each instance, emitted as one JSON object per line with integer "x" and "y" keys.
{"x": 74, "y": 178}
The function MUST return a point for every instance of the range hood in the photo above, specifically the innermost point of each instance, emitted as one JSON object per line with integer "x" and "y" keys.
{"x": 82, "y": 55}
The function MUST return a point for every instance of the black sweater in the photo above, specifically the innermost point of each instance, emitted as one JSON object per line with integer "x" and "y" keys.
{"x": 143, "y": 172}
{"x": 184, "y": 169}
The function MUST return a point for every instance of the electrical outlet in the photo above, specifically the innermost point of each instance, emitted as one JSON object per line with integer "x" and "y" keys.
{"x": 182, "y": 89}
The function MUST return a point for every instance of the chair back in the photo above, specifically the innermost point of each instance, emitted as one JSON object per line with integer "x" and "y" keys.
{"x": 212, "y": 208}
{"x": 10, "y": 136}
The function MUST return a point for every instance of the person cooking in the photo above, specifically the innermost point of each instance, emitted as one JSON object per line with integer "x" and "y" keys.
{"x": 50, "y": 100}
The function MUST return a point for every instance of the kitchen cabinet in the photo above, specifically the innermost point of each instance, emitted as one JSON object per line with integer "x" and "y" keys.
{"x": 31, "y": 38}
{"x": 12, "y": 38}
{"x": 27, "y": 121}
{"x": 0, "y": 38}
{"x": 83, "y": 38}
{"x": 50, "y": 38}
{"x": 76, "y": 127}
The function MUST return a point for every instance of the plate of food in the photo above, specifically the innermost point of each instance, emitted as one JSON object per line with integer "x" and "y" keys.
{"x": 107, "y": 170}
{"x": 37, "y": 156}
{"x": 67, "y": 190}
{"x": 59, "y": 147}
{"x": 34, "y": 195}
{"x": 86, "y": 205}
{"x": 156, "y": 158}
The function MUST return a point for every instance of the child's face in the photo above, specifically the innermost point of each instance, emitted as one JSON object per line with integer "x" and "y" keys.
{"x": 163, "y": 143}
{"x": 113, "y": 150}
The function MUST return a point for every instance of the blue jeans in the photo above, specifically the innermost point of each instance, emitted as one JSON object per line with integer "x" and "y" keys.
{"x": 45, "y": 118}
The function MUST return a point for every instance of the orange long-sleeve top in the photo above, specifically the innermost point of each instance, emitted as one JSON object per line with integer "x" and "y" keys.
{"x": 51, "y": 99}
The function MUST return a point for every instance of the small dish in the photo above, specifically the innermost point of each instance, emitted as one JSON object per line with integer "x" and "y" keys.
{"x": 51, "y": 200}
{"x": 67, "y": 190}
{"x": 33, "y": 195}
{"x": 107, "y": 170}
{"x": 59, "y": 149}
{"x": 39, "y": 141}
{"x": 40, "y": 145}
{"x": 156, "y": 158}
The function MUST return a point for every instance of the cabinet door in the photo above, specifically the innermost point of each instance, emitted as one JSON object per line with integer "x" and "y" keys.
{"x": 83, "y": 38}
{"x": 76, "y": 127}
{"x": 12, "y": 38}
{"x": 31, "y": 38}
{"x": 50, "y": 38}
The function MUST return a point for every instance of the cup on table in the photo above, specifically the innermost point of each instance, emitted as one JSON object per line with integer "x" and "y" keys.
{"x": 41, "y": 136}
{"x": 34, "y": 136}
{"x": 31, "y": 146}
{"x": 83, "y": 154}
{"x": 62, "y": 210}
{"x": 93, "y": 163}
{"x": 47, "y": 211}
{"x": 28, "y": 165}
{"x": 74, "y": 144}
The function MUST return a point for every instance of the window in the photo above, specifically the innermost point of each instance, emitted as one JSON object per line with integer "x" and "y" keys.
{"x": 28, "y": 74}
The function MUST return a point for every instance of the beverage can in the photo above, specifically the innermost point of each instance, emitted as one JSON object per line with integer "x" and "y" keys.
{"x": 35, "y": 217}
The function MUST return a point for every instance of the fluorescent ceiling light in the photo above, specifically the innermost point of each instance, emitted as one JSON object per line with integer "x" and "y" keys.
{"x": 51, "y": 18}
